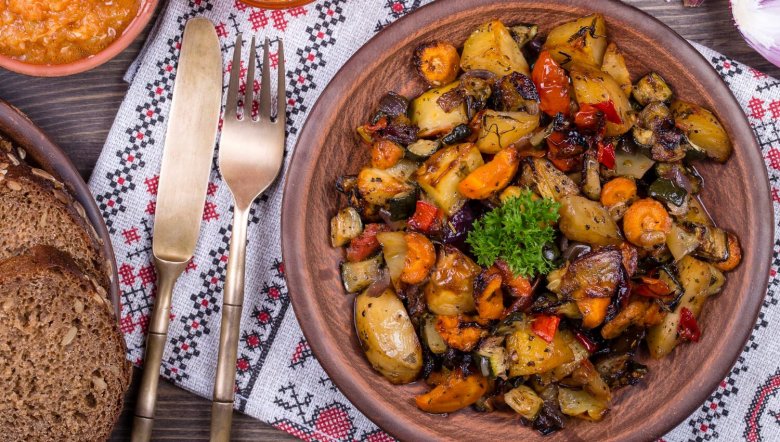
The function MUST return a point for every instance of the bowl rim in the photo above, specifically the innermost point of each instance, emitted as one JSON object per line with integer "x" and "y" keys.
{"x": 133, "y": 29}
{"x": 22, "y": 131}
{"x": 294, "y": 226}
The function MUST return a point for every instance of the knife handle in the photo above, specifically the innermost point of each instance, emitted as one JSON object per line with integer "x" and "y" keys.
{"x": 232, "y": 305}
{"x": 167, "y": 273}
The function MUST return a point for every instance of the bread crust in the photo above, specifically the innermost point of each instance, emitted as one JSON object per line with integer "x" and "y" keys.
{"x": 17, "y": 176}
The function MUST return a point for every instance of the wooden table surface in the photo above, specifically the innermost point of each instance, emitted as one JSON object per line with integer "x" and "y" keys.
{"x": 78, "y": 119}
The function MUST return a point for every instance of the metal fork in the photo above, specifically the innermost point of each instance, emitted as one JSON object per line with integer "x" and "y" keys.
{"x": 250, "y": 157}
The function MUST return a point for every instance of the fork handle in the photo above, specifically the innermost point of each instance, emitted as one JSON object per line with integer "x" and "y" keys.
{"x": 155, "y": 343}
{"x": 232, "y": 305}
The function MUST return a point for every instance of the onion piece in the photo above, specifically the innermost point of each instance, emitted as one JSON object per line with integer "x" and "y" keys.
{"x": 757, "y": 21}
{"x": 380, "y": 284}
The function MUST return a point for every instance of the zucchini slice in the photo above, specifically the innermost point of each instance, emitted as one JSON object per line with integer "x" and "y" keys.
{"x": 356, "y": 276}
{"x": 344, "y": 226}
{"x": 422, "y": 149}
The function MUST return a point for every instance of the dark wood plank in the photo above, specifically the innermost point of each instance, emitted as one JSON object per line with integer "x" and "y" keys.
{"x": 78, "y": 111}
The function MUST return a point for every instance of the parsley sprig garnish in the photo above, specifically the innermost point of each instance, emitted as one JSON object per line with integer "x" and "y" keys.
{"x": 516, "y": 232}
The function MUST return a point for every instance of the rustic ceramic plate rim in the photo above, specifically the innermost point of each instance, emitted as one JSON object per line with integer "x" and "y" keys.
{"x": 302, "y": 303}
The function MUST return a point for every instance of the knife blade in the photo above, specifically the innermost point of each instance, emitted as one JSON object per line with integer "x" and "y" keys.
{"x": 181, "y": 194}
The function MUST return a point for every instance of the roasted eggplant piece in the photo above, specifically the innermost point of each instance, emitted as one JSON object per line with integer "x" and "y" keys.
{"x": 620, "y": 370}
{"x": 514, "y": 93}
{"x": 546, "y": 180}
{"x": 523, "y": 33}
{"x": 655, "y": 129}
{"x": 651, "y": 88}
{"x": 592, "y": 280}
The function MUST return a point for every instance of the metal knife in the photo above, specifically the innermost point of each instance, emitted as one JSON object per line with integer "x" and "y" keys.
{"x": 181, "y": 195}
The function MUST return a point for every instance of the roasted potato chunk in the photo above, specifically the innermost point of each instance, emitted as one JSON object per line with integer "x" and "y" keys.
{"x": 528, "y": 354}
{"x": 430, "y": 118}
{"x": 450, "y": 289}
{"x": 703, "y": 129}
{"x": 492, "y": 48}
{"x": 387, "y": 336}
{"x": 501, "y": 129}
{"x": 581, "y": 41}
{"x": 592, "y": 86}
{"x": 440, "y": 175}
{"x": 587, "y": 221}
{"x": 615, "y": 65}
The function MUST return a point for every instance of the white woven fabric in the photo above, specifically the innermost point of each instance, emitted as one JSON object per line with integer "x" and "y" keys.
{"x": 278, "y": 379}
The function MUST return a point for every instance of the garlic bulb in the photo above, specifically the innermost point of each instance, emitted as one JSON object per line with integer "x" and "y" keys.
{"x": 759, "y": 23}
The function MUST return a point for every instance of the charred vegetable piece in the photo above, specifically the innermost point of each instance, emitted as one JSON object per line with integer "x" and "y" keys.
{"x": 528, "y": 354}
{"x": 668, "y": 191}
{"x": 492, "y": 357}
{"x": 650, "y": 88}
{"x": 702, "y": 129}
{"x": 440, "y": 175}
{"x": 524, "y": 401}
{"x": 516, "y": 92}
{"x": 393, "y": 105}
{"x": 592, "y": 86}
{"x": 714, "y": 245}
{"x": 419, "y": 260}
{"x": 492, "y": 48}
{"x": 502, "y": 129}
{"x": 437, "y": 62}
{"x": 402, "y": 206}
{"x": 488, "y": 296}
{"x": 356, "y": 276}
{"x": 457, "y": 333}
{"x": 523, "y": 33}
{"x": 455, "y": 392}
{"x": 387, "y": 336}
{"x": 681, "y": 175}
{"x": 546, "y": 180}
{"x": 365, "y": 244}
{"x": 615, "y": 65}
{"x": 587, "y": 221}
{"x": 735, "y": 255}
{"x": 430, "y": 118}
{"x": 639, "y": 311}
{"x": 699, "y": 279}
{"x": 591, "y": 179}
{"x": 420, "y": 150}
{"x": 344, "y": 226}
{"x": 385, "y": 154}
{"x": 583, "y": 41}
{"x": 459, "y": 133}
{"x": 620, "y": 370}
{"x": 450, "y": 288}
{"x": 591, "y": 280}
{"x": 552, "y": 84}
{"x": 491, "y": 177}
{"x": 646, "y": 223}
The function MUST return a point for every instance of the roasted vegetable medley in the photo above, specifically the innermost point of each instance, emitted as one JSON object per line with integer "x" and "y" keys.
{"x": 528, "y": 222}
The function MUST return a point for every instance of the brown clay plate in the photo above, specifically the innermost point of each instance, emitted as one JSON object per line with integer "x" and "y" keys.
{"x": 736, "y": 194}
{"x": 42, "y": 152}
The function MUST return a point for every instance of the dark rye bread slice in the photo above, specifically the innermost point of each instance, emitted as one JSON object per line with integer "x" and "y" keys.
{"x": 63, "y": 370}
{"x": 35, "y": 209}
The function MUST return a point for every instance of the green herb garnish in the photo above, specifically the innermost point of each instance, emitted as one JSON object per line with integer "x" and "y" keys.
{"x": 517, "y": 233}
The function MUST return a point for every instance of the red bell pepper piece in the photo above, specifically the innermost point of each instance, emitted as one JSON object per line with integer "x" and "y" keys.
{"x": 545, "y": 326}
{"x": 606, "y": 155}
{"x": 589, "y": 118}
{"x": 688, "y": 328}
{"x": 556, "y": 141}
{"x": 608, "y": 107}
{"x": 365, "y": 244}
{"x": 425, "y": 217}
{"x": 652, "y": 288}
{"x": 552, "y": 83}
{"x": 585, "y": 341}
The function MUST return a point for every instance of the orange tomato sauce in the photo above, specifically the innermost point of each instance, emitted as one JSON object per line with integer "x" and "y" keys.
{"x": 61, "y": 31}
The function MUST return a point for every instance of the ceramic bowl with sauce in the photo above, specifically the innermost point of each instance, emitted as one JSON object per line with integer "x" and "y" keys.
{"x": 53, "y": 38}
